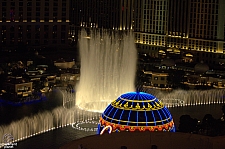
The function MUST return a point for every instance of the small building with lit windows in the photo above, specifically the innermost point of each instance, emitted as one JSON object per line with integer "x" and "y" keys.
{"x": 158, "y": 79}
{"x": 62, "y": 64}
{"x": 18, "y": 88}
{"x": 136, "y": 111}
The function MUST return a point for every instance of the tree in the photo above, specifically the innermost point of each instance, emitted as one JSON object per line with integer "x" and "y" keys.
{"x": 188, "y": 124}
{"x": 210, "y": 126}
{"x": 175, "y": 78}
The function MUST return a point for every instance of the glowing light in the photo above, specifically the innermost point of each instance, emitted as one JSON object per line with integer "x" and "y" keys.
{"x": 82, "y": 125}
{"x": 106, "y": 128}
{"x": 136, "y": 111}
{"x": 82, "y": 117}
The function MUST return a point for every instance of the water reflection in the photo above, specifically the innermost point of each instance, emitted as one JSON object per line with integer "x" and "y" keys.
{"x": 35, "y": 122}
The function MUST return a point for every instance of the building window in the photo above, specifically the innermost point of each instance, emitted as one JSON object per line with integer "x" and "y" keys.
{"x": 45, "y": 35}
{"x": 29, "y": 35}
{"x": 29, "y": 3}
{"x": 29, "y": 14}
{"x": 54, "y": 28}
{"x": 28, "y": 8}
{"x": 63, "y": 19}
{"x": 12, "y": 3}
{"x": 63, "y": 28}
{"x": 63, "y": 41}
{"x": 37, "y": 19}
{"x": 12, "y": 28}
{"x": 12, "y": 14}
{"x": 63, "y": 9}
{"x": 46, "y": 41}
{"x": 3, "y": 3}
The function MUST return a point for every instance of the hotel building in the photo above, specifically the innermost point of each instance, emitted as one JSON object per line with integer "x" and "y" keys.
{"x": 190, "y": 28}
{"x": 107, "y": 14}
{"x": 34, "y": 23}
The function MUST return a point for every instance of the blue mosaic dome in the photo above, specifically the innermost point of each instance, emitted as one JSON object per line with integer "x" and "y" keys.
{"x": 136, "y": 111}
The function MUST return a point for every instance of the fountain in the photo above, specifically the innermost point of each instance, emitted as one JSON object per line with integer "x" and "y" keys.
{"x": 108, "y": 64}
{"x": 191, "y": 97}
{"x": 108, "y": 67}
{"x": 47, "y": 121}
{"x": 86, "y": 120}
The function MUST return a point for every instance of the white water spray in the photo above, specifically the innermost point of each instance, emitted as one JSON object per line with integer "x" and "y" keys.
{"x": 108, "y": 67}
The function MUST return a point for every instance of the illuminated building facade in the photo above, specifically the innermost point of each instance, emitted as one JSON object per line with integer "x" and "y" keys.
{"x": 150, "y": 25}
{"x": 107, "y": 14}
{"x": 191, "y": 26}
{"x": 34, "y": 23}
{"x": 178, "y": 17}
{"x": 19, "y": 88}
{"x": 159, "y": 80}
{"x": 136, "y": 111}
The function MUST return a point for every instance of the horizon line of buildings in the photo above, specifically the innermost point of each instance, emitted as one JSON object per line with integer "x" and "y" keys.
{"x": 195, "y": 28}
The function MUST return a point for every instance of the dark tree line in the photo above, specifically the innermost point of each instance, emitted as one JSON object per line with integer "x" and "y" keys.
{"x": 209, "y": 126}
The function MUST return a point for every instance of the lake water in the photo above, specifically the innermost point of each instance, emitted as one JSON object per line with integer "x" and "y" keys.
{"x": 58, "y": 137}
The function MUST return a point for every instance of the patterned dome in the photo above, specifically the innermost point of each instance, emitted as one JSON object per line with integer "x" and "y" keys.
{"x": 136, "y": 111}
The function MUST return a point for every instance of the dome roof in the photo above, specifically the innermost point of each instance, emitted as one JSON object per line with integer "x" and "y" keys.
{"x": 136, "y": 111}
{"x": 201, "y": 67}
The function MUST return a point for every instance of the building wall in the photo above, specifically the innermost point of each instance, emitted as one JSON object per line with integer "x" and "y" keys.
{"x": 189, "y": 25}
{"x": 203, "y": 19}
{"x": 150, "y": 50}
{"x": 106, "y": 14}
{"x": 178, "y": 14}
{"x": 64, "y": 65}
{"x": 34, "y": 23}
{"x": 159, "y": 80}
{"x": 146, "y": 140}
{"x": 126, "y": 15}
{"x": 183, "y": 24}
{"x": 151, "y": 16}
{"x": 102, "y": 14}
